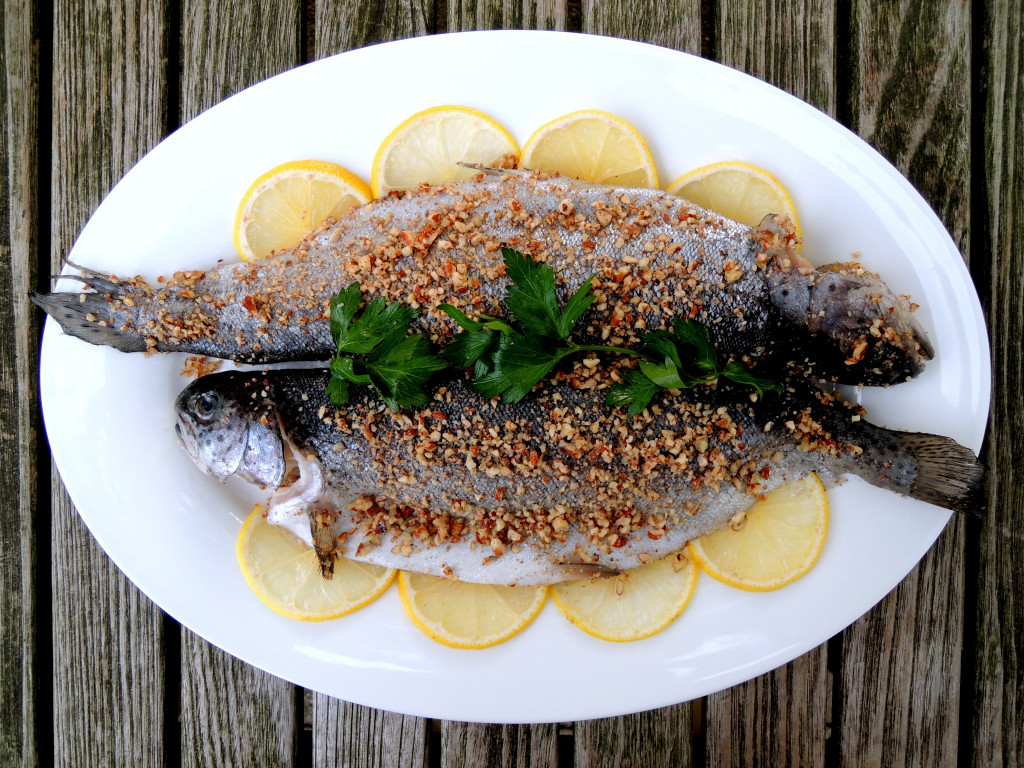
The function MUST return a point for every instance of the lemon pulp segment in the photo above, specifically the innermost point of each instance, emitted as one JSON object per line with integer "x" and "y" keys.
{"x": 285, "y": 574}
{"x": 462, "y": 615}
{"x": 737, "y": 190}
{"x": 593, "y": 146}
{"x": 291, "y": 200}
{"x": 428, "y": 147}
{"x": 779, "y": 540}
{"x": 631, "y": 605}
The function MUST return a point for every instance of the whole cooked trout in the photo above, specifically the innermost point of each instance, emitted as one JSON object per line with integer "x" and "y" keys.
{"x": 656, "y": 256}
{"x": 544, "y": 490}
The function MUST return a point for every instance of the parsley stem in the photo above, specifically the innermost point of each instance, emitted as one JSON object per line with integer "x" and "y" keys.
{"x": 573, "y": 348}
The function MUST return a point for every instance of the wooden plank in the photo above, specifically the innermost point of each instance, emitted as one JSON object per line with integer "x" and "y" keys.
{"x": 912, "y": 61}
{"x": 789, "y": 44}
{"x": 19, "y": 257}
{"x": 466, "y": 15}
{"x": 778, "y": 718}
{"x": 357, "y": 23}
{"x": 900, "y": 665}
{"x": 228, "y": 46}
{"x": 673, "y": 25}
{"x": 109, "y": 102}
{"x": 998, "y": 738}
{"x": 232, "y": 713}
{"x": 467, "y": 745}
{"x": 345, "y": 733}
{"x": 348, "y": 734}
{"x": 660, "y": 737}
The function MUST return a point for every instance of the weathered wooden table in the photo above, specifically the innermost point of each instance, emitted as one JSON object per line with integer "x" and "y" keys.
{"x": 92, "y": 673}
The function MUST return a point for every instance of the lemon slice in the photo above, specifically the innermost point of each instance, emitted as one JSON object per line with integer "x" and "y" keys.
{"x": 428, "y": 147}
{"x": 288, "y": 202}
{"x": 462, "y": 615}
{"x": 781, "y": 539}
{"x": 739, "y": 191}
{"x": 633, "y": 605}
{"x": 285, "y": 575}
{"x": 594, "y": 146}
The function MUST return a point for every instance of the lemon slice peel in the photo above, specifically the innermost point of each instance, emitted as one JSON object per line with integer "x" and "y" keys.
{"x": 594, "y": 146}
{"x": 737, "y": 190}
{"x": 285, "y": 574}
{"x": 291, "y": 200}
{"x": 468, "y": 616}
{"x": 780, "y": 541}
{"x": 428, "y": 147}
{"x": 632, "y": 605}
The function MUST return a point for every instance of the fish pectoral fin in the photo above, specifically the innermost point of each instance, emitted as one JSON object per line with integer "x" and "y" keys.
{"x": 490, "y": 169}
{"x": 322, "y": 525}
{"x": 572, "y": 571}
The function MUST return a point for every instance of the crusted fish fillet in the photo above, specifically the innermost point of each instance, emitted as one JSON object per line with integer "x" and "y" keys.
{"x": 552, "y": 487}
{"x": 655, "y": 255}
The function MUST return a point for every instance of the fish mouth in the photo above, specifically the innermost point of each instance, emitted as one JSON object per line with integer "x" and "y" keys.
{"x": 187, "y": 441}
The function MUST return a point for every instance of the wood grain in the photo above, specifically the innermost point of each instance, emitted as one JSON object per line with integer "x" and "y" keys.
{"x": 227, "y": 46}
{"x": 349, "y": 734}
{"x": 660, "y": 737}
{"x": 778, "y": 718}
{"x": 465, "y": 15}
{"x": 467, "y": 745}
{"x": 109, "y": 102}
{"x": 901, "y": 664}
{"x": 673, "y": 24}
{"x": 901, "y": 667}
{"x": 912, "y": 97}
{"x": 357, "y": 23}
{"x": 232, "y": 713}
{"x": 789, "y": 44}
{"x": 19, "y": 415}
{"x": 998, "y": 706}
{"x": 899, "y": 673}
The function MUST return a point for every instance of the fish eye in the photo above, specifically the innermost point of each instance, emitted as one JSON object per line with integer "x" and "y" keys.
{"x": 205, "y": 405}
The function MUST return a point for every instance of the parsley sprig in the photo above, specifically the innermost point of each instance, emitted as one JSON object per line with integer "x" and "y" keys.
{"x": 509, "y": 358}
{"x": 680, "y": 359}
{"x": 375, "y": 349}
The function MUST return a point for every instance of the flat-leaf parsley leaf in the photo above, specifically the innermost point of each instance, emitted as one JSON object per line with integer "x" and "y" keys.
{"x": 375, "y": 349}
{"x": 509, "y": 358}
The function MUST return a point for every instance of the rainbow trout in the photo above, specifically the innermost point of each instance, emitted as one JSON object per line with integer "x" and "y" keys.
{"x": 655, "y": 257}
{"x": 551, "y": 488}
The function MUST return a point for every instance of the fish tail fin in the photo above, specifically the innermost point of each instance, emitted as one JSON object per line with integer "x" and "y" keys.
{"x": 948, "y": 474}
{"x": 87, "y": 314}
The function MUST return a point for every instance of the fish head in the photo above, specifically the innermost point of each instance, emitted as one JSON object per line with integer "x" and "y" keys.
{"x": 228, "y": 426}
{"x": 860, "y": 331}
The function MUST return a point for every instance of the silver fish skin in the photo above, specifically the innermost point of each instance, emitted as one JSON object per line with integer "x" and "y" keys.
{"x": 655, "y": 257}
{"x": 551, "y": 488}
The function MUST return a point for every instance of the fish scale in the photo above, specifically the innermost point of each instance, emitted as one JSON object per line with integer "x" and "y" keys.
{"x": 655, "y": 257}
